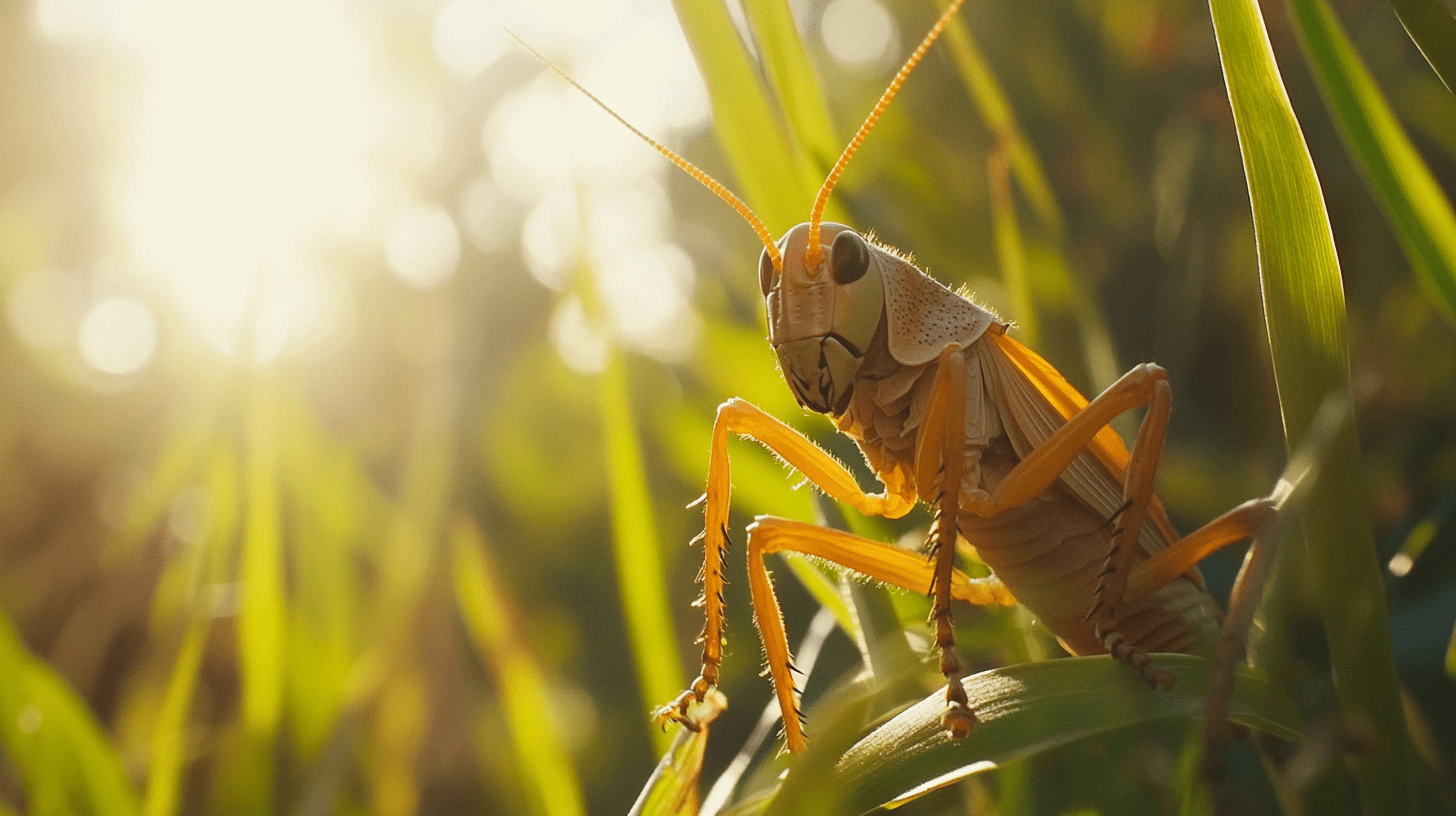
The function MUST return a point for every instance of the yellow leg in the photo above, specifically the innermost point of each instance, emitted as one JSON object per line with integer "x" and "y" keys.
{"x": 882, "y": 562}
{"x": 1248, "y": 589}
{"x": 1044, "y": 465}
{"x": 1120, "y": 581}
{"x": 1239, "y": 524}
{"x": 940, "y": 459}
{"x": 1146, "y": 384}
{"x": 1257, "y": 520}
{"x": 739, "y": 417}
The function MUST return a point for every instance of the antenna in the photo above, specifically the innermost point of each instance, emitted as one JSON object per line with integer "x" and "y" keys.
{"x": 703, "y": 178}
{"x": 811, "y": 260}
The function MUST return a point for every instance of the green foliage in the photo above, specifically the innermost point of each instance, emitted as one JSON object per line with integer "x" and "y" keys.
{"x": 1304, "y": 308}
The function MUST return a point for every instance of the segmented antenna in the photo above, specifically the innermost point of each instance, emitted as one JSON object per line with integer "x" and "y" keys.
{"x": 811, "y": 260}
{"x": 703, "y": 178}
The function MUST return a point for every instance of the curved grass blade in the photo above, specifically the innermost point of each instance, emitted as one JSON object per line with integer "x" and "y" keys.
{"x": 791, "y": 73}
{"x": 1033, "y": 707}
{"x": 1025, "y": 709}
{"x": 66, "y": 762}
{"x": 638, "y": 548}
{"x": 542, "y": 760}
{"x": 672, "y": 790}
{"x": 1305, "y": 315}
{"x": 1433, "y": 30}
{"x": 996, "y": 112}
{"x": 776, "y": 183}
{"x": 1414, "y": 205}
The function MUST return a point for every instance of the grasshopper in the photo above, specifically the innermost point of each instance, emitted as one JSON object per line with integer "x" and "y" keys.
{"x": 950, "y": 410}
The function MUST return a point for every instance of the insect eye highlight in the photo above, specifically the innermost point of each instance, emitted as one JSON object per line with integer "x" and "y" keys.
{"x": 849, "y": 257}
{"x": 765, "y": 272}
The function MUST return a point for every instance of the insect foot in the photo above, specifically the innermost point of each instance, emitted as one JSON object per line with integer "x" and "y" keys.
{"x": 958, "y": 718}
{"x": 677, "y": 710}
{"x": 1138, "y": 659}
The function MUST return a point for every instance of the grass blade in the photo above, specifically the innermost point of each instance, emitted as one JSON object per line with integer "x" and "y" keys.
{"x": 775, "y": 181}
{"x": 996, "y": 112}
{"x": 201, "y": 569}
{"x": 672, "y": 790}
{"x": 261, "y": 615}
{"x": 169, "y": 744}
{"x": 1433, "y": 30}
{"x": 1010, "y": 251}
{"x": 638, "y": 549}
{"x": 1417, "y": 210}
{"x": 794, "y": 80}
{"x": 1305, "y": 314}
{"x": 1029, "y": 708}
{"x": 544, "y": 763}
{"x": 66, "y": 762}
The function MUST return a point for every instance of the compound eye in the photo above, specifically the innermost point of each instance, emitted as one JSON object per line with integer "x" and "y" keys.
{"x": 849, "y": 257}
{"x": 765, "y": 272}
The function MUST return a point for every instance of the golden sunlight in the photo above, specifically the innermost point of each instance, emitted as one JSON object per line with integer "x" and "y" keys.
{"x": 255, "y": 124}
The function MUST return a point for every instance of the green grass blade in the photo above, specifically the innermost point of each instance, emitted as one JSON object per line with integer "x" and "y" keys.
{"x": 1432, "y": 28}
{"x": 1010, "y": 250}
{"x": 205, "y": 566}
{"x": 824, "y": 591}
{"x": 1305, "y": 314}
{"x": 776, "y": 183}
{"x": 1050, "y": 281}
{"x": 1451, "y": 655}
{"x": 996, "y": 112}
{"x": 791, "y": 74}
{"x": 1029, "y": 708}
{"x": 1416, "y": 208}
{"x": 638, "y": 549}
{"x": 66, "y": 762}
{"x": 169, "y": 744}
{"x": 261, "y": 614}
{"x": 182, "y": 455}
{"x": 672, "y": 790}
{"x": 543, "y": 762}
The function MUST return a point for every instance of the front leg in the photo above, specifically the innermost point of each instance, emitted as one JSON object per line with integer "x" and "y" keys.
{"x": 737, "y": 416}
{"x": 940, "y": 460}
{"x": 882, "y": 562}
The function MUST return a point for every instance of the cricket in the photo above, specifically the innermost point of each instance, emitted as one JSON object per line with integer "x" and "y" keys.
{"x": 950, "y": 410}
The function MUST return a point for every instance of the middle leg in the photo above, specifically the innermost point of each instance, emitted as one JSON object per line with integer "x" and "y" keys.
{"x": 882, "y": 562}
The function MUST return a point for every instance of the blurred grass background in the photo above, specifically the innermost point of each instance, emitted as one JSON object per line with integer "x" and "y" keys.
{"x": 356, "y": 371}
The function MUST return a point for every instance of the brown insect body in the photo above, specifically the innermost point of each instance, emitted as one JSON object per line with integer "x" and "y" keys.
{"x": 1048, "y": 551}
{"x": 948, "y": 409}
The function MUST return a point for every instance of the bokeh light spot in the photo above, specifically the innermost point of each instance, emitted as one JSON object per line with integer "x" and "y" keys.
{"x": 647, "y": 296}
{"x": 858, "y": 33}
{"x": 423, "y": 246}
{"x": 580, "y": 342}
{"x": 468, "y": 36}
{"x": 551, "y": 236}
{"x": 118, "y": 336}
